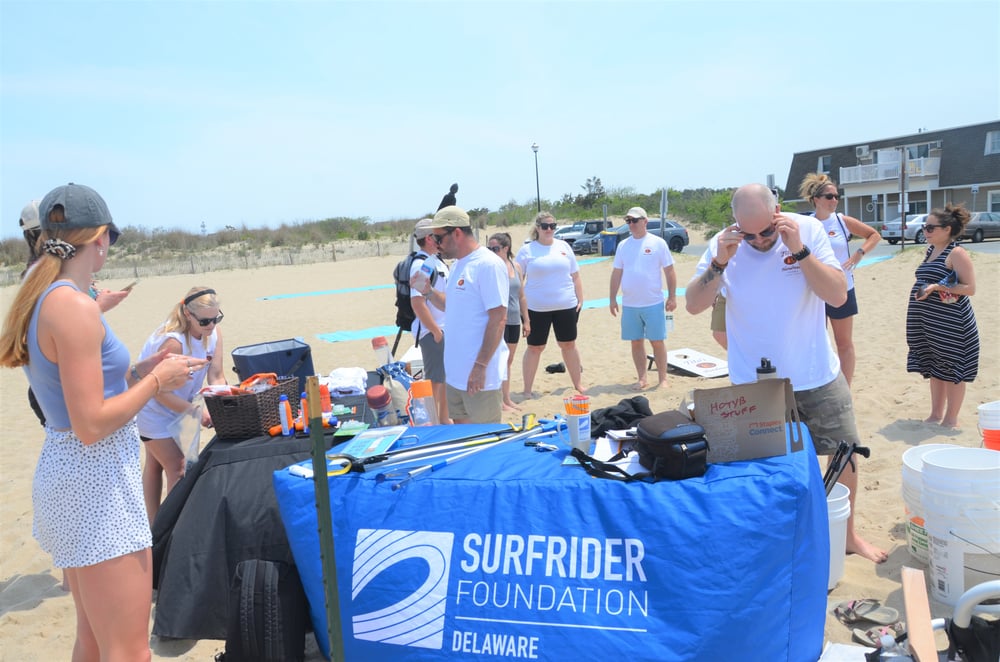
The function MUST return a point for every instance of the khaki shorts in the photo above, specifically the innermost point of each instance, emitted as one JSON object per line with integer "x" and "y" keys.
{"x": 483, "y": 407}
{"x": 829, "y": 413}
{"x": 719, "y": 314}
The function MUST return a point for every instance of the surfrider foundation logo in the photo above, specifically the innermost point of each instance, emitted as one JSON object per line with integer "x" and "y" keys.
{"x": 416, "y": 619}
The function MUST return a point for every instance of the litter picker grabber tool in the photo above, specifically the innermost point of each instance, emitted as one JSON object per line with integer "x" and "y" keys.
{"x": 427, "y": 468}
{"x": 839, "y": 462}
{"x": 328, "y": 561}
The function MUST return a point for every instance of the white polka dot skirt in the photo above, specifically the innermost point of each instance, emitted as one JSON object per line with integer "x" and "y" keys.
{"x": 88, "y": 499}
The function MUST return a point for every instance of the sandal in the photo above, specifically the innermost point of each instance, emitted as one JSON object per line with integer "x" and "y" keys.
{"x": 866, "y": 609}
{"x": 872, "y": 637}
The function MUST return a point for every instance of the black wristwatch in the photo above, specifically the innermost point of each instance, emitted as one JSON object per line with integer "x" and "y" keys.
{"x": 802, "y": 254}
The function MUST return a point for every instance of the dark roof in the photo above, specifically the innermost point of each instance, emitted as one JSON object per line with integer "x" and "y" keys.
{"x": 962, "y": 159}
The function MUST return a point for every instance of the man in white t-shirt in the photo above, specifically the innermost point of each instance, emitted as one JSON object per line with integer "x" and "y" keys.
{"x": 428, "y": 327}
{"x": 779, "y": 271}
{"x": 639, "y": 262}
{"x": 475, "y": 306}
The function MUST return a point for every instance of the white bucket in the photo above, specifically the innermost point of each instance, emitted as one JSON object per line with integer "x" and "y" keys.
{"x": 961, "y": 500}
{"x": 838, "y": 510}
{"x": 916, "y": 534}
{"x": 989, "y": 416}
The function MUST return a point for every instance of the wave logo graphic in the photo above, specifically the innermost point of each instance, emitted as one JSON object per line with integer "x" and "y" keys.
{"x": 416, "y": 619}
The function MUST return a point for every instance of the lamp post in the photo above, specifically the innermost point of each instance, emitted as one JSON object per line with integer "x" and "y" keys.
{"x": 538, "y": 191}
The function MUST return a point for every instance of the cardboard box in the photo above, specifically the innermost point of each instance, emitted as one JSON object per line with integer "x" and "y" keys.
{"x": 748, "y": 421}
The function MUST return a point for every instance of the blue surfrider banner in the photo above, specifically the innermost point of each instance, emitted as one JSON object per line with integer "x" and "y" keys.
{"x": 510, "y": 554}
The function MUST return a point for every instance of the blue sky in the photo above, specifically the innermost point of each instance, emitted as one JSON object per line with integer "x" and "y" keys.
{"x": 260, "y": 113}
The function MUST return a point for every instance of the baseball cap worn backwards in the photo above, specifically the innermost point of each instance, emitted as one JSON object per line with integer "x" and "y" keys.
{"x": 636, "y": 212}
{"x": 423, "y": 228}
{"x": 82, "y": 207}
{"x": 29, "y": 216}
{"x": 450, "y": 217}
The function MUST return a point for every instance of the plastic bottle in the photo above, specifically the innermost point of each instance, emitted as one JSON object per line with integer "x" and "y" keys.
{"x": 383, "y": 355}
{"x": 285, "y": 414}
{"x": 766, "y": 370}
{"x": 422, "y": 278}
{"x": 670, "y": 322}
{"x": 324, "y": 398}
{"x": 304, "y": 412}
{"x": 420, "y": 404}
{"x": 380, "y": 402}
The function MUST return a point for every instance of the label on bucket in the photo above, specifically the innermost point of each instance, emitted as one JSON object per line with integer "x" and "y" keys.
{"x": 947, "y": 578}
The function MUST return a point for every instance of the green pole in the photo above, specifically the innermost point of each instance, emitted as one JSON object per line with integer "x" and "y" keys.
{"x": 328, "y": 561}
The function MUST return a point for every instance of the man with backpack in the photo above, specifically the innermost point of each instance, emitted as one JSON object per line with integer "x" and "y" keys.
{"x": 428, "y": 324}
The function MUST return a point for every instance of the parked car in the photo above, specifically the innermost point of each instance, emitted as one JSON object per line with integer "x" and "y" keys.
{"x": 982, "y": 225}
{"x": 675, "y": 235}
{"x": 583, "y": 228}
{"x": 560, "y": 231}
{"x": 914, "y": 230}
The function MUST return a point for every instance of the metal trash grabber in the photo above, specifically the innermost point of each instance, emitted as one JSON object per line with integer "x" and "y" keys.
{"x": 839, "y": 462}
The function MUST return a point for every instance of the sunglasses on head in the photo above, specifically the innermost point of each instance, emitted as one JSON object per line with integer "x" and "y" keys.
{"x": 547, "y": 226}
{"x": 206, "y": 322}
{"x": 829, "y": 196}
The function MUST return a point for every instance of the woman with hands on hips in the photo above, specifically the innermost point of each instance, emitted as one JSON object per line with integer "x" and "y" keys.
{"x": 192, "y": 329}
{"x": 941, "y": 329}
{"x": 819, "y": 189}
{"x": 87, "y": 488}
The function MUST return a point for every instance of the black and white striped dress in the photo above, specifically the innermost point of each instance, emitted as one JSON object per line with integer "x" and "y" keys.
{"x": 943, "y": 337}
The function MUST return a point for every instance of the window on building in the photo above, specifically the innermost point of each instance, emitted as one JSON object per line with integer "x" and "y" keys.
{"x": 823, "y": 164}
{"x": 994, "y": 201}
{"x": 914, "y": 152}
{"x": 992, "y": 142}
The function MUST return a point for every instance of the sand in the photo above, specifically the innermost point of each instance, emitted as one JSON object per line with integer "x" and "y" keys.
{"x": 37, "y": 617}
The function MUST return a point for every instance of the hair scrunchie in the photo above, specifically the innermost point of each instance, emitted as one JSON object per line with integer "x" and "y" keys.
{"x": 61, "y": 249}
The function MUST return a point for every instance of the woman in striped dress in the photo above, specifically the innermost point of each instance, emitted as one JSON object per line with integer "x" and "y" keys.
{"x": 940, "y": 324}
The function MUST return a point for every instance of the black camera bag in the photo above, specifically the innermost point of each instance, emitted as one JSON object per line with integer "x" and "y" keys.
{"x": 671, "y": 446}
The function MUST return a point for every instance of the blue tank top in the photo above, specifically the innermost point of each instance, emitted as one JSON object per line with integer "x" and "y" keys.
{"x": 43, "y": 375}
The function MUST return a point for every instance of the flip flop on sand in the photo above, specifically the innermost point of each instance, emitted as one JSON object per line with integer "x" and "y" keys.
{"x": 873, "y": 636}
{"x": 866, "y": 609}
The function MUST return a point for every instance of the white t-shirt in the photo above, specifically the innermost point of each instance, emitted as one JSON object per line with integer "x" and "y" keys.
{"x": 478, "y": 283}
{"x": 772, "y": 312}
{"x": 840, "y": 239}
{"x": 440, "y": 284}
{"x": 155, "y": 420}
{"x": 548, "y": 272}
{"x": 642, "y": 262}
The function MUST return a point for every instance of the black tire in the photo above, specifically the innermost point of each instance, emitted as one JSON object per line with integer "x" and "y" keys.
{"x": 919, "y": 238}
{"x": 893, "y": 241}
{"x": 676, "y": 244}
{"x": 978, "y": 236}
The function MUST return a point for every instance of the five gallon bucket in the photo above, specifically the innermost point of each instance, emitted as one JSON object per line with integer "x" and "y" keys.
{"x": 916, "y": 534}
{"x": 838, "y": 508}
{"x": 989, "y": 424}
{"x": 961, "y": 500}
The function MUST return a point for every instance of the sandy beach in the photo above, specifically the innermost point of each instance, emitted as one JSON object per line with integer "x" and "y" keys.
{"x": 37, "y": 617}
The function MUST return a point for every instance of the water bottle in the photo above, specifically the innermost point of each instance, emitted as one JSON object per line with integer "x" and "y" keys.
{"x": 766, "y": 370}
{"x": 324, "y": 399}
{"x": 304, "y": 411}
{"x": 383, "y": 355}
{"x": 285, "y": 414}
{"x": 422, "y": 278}
{"x": 420, "y": 404}
{"x": 380, "y": 402}
{"x": 670, "y": 322}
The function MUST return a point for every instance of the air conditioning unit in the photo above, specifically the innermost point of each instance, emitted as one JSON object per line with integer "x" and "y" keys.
{"x": 861, "y": 151}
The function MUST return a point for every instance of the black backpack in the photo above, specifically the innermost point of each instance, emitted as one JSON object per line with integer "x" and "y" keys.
{"x": 401, "y": 274}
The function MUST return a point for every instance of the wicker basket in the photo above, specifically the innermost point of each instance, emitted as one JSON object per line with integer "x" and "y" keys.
{"x": 253, "y": 414}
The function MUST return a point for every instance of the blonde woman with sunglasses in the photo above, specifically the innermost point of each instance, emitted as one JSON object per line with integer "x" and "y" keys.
{"x": 821, "y": 191}
{"x": 192, "y": 329}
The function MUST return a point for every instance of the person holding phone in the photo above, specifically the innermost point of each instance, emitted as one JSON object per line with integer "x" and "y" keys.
{"x": 192, "y": 329}
{"x": 86, "y": 494}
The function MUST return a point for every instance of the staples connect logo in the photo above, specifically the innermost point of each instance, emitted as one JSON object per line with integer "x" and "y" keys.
{"x": 416, "y": 619}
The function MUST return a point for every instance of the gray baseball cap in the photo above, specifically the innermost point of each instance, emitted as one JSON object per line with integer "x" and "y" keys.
{"x": 82, "y": 207}
{"x": 29, "y": 216}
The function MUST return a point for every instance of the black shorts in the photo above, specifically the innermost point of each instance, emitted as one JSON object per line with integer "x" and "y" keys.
{"x": 512, "y": 334}
{"x": 563, "y": 323}
{"x": 849, "y": 309}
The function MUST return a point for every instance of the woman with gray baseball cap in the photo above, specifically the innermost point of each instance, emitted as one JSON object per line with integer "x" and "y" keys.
{"x": 89, "y": 512}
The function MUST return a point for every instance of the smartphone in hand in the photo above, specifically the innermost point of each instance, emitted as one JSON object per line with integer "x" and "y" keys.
{"x": 128, "y": 288}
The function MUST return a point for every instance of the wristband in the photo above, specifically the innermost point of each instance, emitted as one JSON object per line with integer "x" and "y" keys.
{"x": 159, "y": 386}
{"x": 802, "y": 254}
{"x": 861, "y": 250}
{"x": 134, "y": 372}
{"x": 479, "y": 363}
{"x": 718, "y": 268}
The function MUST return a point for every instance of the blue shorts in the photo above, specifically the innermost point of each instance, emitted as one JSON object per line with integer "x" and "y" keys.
{"x": 849, "y": 309}
{"x": 648, "y": 322}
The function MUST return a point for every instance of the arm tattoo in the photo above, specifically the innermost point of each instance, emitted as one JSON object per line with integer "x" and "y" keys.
{"x": 708, "y": 276}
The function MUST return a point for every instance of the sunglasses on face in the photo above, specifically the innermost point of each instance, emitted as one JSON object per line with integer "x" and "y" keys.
{"x": 630, "y": 221}
{"x": 439, "y": 237}
{"x": 547, "y": 226}
{"x": 764, "y": 233}
{"x": 930, "y": 227}
{"x": 206, "y": 322}
{"x": 829, "y": 196}
{"x": 495, "y": 249}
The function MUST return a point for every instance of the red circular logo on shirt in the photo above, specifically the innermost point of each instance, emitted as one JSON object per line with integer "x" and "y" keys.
{"x": 832, "y": 233}
{"x": 461, "y": 282}
{"x": 647, "y": 251}
{"x": 789, "y": 259}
